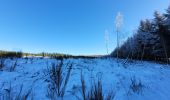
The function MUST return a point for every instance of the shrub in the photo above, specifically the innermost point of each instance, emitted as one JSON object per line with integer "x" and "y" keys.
{"x": 2, "y": 63}
{"x": 10, "y": 94}
{"x": 136, "y": 86}
{"x": 13, "y": 66}
{"x": 95, "y": 92}
{"x": 58, "y": 80}
{"x": 83, "y": 87}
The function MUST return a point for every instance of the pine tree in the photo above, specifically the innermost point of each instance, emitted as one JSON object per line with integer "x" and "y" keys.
{"x": 161, "y": 31}
{"x": 151, "y": 41}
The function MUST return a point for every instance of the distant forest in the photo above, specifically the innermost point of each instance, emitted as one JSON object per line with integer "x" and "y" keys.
{"x": 19, "y": 54}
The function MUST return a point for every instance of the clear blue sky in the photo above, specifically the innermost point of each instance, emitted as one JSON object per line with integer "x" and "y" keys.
{"x": 69, "y": 26}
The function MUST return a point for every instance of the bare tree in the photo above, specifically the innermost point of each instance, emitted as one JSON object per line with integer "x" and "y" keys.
{"x": 118, "y": 25}
{"x": 106, "y": 34}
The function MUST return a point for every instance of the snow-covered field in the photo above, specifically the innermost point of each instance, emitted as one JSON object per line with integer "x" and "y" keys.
{"x": 151, "y": 80}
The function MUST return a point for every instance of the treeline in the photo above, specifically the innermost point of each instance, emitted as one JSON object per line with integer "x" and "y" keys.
{"x": 11, "y": 54}
{"x": 151, "y": 41}
{"x": 61, "y": 56}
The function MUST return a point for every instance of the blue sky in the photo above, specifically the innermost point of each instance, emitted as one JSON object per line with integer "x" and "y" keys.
{"x": 69, "y": 26}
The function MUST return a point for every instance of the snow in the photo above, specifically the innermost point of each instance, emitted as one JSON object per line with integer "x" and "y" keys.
{"x": 154, "y": 77}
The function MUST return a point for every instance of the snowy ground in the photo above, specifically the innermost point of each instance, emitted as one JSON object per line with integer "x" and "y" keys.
{"x": 154, "y": 79}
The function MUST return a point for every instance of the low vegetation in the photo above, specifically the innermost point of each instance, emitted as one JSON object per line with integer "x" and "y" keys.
{"x": 58, "y": 79}
{"x": 11, "y": 94}
{"x": 136, "y": 86}
{"x": 13, "y": 66}
{"x": 2, "y": 63}
{"x": 95, "y": 92}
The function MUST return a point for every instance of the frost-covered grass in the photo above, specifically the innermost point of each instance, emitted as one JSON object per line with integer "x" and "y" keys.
{"x": 133, "y": 80}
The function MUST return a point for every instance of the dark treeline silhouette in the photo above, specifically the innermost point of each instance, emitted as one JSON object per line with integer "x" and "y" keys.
{"x": 61, "y": 56}
{"x": 8, "y": 54}
{"x": 151, "y": 41}
{"x": 11, "y": 54}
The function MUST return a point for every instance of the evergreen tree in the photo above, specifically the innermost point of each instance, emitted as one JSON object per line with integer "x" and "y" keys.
{"x": 161, "y": 31}
{"x": 151, "y": 41}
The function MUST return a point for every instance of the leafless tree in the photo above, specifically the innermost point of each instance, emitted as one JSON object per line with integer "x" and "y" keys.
{"x": 118, "y": 25}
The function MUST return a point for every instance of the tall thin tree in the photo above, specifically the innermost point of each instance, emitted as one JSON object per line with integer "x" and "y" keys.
{"x": 118, "y": 25}
{"x": 159, "y": 20}
{"x": 106, "y": 35}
